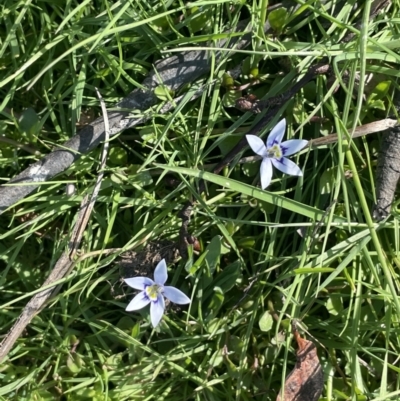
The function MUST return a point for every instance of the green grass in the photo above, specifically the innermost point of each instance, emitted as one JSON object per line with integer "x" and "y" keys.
{"x": 305, "y": 248}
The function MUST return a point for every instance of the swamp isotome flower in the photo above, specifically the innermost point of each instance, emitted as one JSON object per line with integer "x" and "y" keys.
{"x": 274, "y": 152}
{"x": 153, "y": 293}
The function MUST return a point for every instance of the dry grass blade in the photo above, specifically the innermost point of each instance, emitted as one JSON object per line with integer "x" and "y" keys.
{"x": 366, "y": 129}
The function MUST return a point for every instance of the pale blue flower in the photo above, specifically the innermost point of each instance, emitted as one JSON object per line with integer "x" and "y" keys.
{"x": 153, "y": 293}
{"x": 273, "y": 152}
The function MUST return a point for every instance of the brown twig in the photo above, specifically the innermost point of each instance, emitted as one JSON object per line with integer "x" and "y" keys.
{"x": 65, "y": 263}
{"x": 362, "y": 130}
{"x": 387, "y": 173}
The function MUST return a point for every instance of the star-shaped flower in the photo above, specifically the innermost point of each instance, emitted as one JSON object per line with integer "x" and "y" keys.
{"x": 273, "y": 152}
{"x": 153, "y": 293}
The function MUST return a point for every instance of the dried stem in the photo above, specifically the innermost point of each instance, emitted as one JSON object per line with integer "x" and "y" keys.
{"x": 65, "y": 263}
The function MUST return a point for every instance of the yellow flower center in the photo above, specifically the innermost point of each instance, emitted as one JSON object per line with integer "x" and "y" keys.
{"x": 152, "y": 291}
{"x": 275, "y": 152}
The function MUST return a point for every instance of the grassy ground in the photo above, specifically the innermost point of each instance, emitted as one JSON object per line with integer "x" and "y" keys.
{"x": 305, "y": 248}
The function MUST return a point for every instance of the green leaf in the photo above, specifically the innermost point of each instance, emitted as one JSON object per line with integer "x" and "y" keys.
{"x": 163, "y": 92}
{"x": 267, "y": 208}
{"x": 216, "y": 359}
{"x": 270, "y": 353}
{"x": 216, "y": 303}
{"x": 213, "y": 254}
{"x": 334, "y": 305}
{"x": 223, "y": 281}
{"x": 161, "y": 24}
{"x": 310, "y": 91}
{"x": 118, "y": 156}
{"x": 191, "y": 267}
{"x": 214, "y": 325}
{"x": 74, "y": 363}
{"x": 230, "y": 97}
{"x": 247, "y": 242}
{"x": 327, "y": 181}
{"x": 114, "y": 361}
{"x": 313, "y": 270}
{"x": 266, "y": 321}
{"x": 227, "y": 278}
{"x": 257, "y": 193}
{"x": 29, "y": 124}
{"x": 125, "y": 323}
{"x": 246, "y": 66}
{"x": 228, "y": 143}
{"x": 85, "y": 392}
{"x": 134, "y": 67}
{"x": 379, "y": 92}
{"x": 377, "y": 104}
{"x": 199, "y": 19}
{"x": 227, "y": 80}
{"x": 236, "y": 344}
{"x": 42, "y": 395}
{"x": 251, "y": 169}
{"x": 254, "y": 72}
{"x": 277, "y": 19}
{"x": 148, "y": 135}
{"x": 144, "y": 178}
{"x": 117, "y": 178}
{"x": 135, "y": 333}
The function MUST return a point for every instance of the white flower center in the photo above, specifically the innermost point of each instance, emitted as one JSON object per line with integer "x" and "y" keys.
{"x": 152, "y": 291}
{"x": 274, "y": 152}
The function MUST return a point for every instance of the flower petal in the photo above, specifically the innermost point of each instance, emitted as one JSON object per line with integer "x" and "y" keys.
{"x": 161, "y": 273}
{"x": 292, "y": 146}
{"x": 265, "y": 172}
{"x": 276, "y": 135}
{"x": 257, "y": 145}
{"x": 287, "y": 166}
{"x": 157, "y": 310}
{"x": 139, "y": 283}
{"x": 176, "y": 296}
{"x": 138, "y": 302}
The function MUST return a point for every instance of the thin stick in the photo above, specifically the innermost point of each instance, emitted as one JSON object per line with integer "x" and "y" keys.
{"x": 65, "y": 263}
{"x": 366, "y": 129}
{"x": 81, "y": 225}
